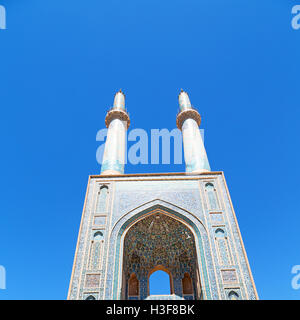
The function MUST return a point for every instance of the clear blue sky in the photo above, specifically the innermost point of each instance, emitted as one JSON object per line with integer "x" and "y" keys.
{"x": 60, "y": 65}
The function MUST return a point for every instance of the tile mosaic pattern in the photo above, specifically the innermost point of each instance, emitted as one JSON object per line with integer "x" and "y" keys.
{"x": 159, "y": 240}
{"x": 229, "y": 276}
{"x": 205, "y": 261}
{"x": 181, "y": 197}
{"x": 92, "y": 280}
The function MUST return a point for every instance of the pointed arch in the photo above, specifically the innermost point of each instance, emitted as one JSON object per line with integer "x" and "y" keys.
{"x": 158, "y": 242}
{"x": 187, "y": 284}
{"x": 212, "y": 196}
{"x": 133, "y": 286}
{"x": 233, "y": 295}
{"x": 98, "y": 235}
{"x": 102, "y": 199}
{"x": 191, "y": 221}
{"x": 165, "y": 270}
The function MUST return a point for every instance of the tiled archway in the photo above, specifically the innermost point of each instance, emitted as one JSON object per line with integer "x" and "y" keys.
{"x": 159, "y": 242}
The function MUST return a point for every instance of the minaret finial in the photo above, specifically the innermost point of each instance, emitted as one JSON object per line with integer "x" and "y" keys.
{"x": 119, "y": 101}
{"x": 184, "y": 100}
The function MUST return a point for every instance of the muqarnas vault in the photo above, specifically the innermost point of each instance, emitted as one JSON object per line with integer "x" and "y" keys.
{"x": 182, "y": 223}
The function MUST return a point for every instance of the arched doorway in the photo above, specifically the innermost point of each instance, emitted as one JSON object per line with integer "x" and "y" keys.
{"x": 133, "y": 287}
{"x": 160, "y": 281}
{"x": 160, "y": 242}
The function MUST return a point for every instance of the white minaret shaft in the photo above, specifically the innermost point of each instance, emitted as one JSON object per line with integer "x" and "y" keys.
{"x": 188, "y": 121}
{"x": 117, "y": 121}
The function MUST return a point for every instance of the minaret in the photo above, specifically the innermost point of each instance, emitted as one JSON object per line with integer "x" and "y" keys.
{"x": 188, "y": 121}
{"x": 117, "y": 121}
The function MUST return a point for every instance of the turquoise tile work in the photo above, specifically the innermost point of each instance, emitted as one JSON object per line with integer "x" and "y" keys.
{"x": 197, "y": 207}
{"x": 161, "y": 209}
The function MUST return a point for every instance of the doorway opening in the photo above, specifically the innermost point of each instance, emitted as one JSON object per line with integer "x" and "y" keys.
{"x": 159, "y": 258}
{"x": 159, "y": 283}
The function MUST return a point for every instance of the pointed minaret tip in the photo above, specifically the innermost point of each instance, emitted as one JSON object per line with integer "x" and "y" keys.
{"x": 119, "y": 101}
{"x": 184, "y": 100}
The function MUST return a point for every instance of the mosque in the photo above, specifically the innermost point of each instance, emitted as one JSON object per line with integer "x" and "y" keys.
{"x": 184, "y": 224}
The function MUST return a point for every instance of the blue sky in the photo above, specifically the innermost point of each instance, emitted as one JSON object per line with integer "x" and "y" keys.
{"x": 60, "y": 65}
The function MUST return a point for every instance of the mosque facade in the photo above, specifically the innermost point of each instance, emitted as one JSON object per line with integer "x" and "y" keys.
{"x": 181, "y": 223}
